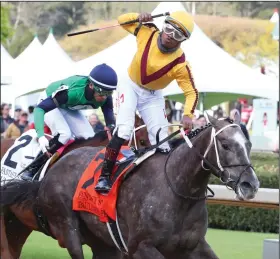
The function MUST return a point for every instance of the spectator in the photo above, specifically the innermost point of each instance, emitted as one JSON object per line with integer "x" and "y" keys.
{"x": 5, "y": 118}
{"x": 16, "y": 128}
{"x": 246, "y": 112}
{"x": 200, "y": 121}
{"x": 235, "y": 115}
{"x": 95, "y": 123}
{"x": 17, "y": 112}
{"x": 31, "y": 114}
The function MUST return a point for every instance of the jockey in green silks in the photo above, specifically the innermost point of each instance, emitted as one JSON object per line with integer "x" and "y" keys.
{"x": 60, "y": 104}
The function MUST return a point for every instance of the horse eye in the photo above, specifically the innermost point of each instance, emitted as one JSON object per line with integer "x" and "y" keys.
{"x": 225, "y": 146}
{"x": 142, "y": 142}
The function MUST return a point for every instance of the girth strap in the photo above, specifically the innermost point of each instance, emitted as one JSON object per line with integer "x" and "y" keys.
{"x": 114, "y": 230}
{"x": 42, "y": 222}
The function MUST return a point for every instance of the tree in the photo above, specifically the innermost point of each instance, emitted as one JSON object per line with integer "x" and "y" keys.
{"x": 6, "y": 27}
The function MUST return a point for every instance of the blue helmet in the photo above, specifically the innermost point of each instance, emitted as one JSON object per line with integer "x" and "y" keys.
{"x": 104, "y": 77}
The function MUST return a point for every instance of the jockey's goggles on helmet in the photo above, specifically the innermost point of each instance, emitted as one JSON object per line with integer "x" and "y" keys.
{"x": 174, "y": 32}
{"x": 101, "y": 91}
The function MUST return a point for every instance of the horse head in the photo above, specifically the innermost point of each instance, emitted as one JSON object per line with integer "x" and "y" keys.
{"x": 141, "y": 135}
{"x": 229, "y": 151}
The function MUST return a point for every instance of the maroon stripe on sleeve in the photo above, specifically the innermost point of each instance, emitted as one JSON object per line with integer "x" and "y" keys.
{"x": 145, "y": 79}
{"x": 193, "y": 86}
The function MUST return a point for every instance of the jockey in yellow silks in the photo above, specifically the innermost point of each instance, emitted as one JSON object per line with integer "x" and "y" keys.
{"x": 158, "y": 61}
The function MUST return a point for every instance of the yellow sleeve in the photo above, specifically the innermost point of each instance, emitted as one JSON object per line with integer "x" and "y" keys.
{"x": 129, "y": 17}
{"x": 185, "y": 81}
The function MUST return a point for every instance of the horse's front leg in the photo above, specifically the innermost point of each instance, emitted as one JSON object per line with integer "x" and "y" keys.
{"x": 202, "y": 251}
{"x": 147, "y": 251}
{"x": 5, "y": 252}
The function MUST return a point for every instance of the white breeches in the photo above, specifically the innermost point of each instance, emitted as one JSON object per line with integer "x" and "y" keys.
{"x": 150, "y": 105}
{"x": 68, "y": 123}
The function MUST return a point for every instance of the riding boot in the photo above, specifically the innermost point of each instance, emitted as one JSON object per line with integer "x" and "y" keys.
{"x": 112, "y": 151}
{"x": 40, "y": 160}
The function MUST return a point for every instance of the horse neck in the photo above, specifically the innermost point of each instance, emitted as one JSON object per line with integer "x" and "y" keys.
{"x": 190, "y": 178}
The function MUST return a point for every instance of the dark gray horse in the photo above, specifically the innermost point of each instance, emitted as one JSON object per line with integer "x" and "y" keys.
{"x": 161, "y": 206}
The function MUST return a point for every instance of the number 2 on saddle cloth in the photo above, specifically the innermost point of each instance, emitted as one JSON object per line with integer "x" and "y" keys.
{"x": 87, "y": 199}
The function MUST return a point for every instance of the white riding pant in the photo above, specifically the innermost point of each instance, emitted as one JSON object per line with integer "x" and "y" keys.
{"x": 150, "y": 105}
{"x": 68, "y": 123}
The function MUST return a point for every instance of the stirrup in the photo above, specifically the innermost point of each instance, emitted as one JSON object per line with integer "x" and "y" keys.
{"x": 162, "y": 151}
{"x": 103, "y": 185}
{"x": 28, "y": 176}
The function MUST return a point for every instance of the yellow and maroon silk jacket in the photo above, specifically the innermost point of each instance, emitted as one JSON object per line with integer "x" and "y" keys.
{"x": 152, "y": 69}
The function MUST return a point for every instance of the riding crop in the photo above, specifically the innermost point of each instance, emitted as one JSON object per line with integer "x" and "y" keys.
{"x": 112, "y": 26}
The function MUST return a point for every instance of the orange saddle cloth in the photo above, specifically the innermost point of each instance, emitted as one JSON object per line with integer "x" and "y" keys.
{"x": 87, "y": 199}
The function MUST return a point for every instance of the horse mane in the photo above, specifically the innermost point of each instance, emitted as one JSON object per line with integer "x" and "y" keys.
{"x": 178, "y": 141}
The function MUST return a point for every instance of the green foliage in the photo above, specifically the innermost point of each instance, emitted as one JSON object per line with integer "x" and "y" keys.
{"x": 240, "y": 218}
{"x": 6, "y": 27}
{"x": 23, "y": 39}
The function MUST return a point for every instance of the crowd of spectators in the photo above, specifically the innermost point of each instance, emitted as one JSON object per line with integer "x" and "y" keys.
{"x": 13, "y": 127}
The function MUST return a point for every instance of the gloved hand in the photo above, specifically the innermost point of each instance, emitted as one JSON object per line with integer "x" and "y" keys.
{"x": 145, "y": 17}
{"x": 44, "y": 144}
{"x": 187, "y": 122}
{"x": 111, "y": 127}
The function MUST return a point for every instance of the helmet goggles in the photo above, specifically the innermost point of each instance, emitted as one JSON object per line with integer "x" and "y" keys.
{"x": 101, "y": 91}
{"x": 176, "y": 33}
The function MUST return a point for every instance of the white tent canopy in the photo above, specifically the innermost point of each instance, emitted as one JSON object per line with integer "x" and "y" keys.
{"x": 118, "y": 56}
{"x": 214, "y": 70}
{"x": 275, "y": 17}
{"x": 6, "y": 66}
{"x": 31, "y": 53}
{"x": 51, "y": 48}
{"x": 7, "y": 93}
{"x": 50, "y": 64}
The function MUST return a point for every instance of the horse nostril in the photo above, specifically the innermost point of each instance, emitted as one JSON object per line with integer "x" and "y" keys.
{"x": 246, "y": 186}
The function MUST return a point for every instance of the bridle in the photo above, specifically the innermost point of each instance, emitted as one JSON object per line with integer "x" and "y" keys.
{"x": 219, "y": 172}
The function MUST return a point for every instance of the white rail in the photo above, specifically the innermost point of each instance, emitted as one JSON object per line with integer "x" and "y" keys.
{"x": 265, "y": 197}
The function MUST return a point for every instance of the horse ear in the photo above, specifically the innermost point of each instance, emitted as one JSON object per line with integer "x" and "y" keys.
{"x": 138, "y": 120}
{"x": 212, "y": 120}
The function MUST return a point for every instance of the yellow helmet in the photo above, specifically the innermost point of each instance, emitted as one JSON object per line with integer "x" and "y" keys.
{"x": 182, "y": 20}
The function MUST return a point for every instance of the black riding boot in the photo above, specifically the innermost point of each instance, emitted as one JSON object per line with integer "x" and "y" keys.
{"x": 40, "y": 160}
{"x": 112, "y": 151}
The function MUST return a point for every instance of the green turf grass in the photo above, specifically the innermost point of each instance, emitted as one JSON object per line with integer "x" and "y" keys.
{"x": 226, "y": 244}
